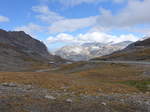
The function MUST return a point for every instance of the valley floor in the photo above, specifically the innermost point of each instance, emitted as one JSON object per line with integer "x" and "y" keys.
{"x": 78, "y": 87}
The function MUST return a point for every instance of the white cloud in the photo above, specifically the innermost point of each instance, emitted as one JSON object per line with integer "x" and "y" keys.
{"x": 62, "y": 37}
{"x": 91, "y": 37}
{"x": 136, "y": 12}
{"x": 4, "y": 19}
{"x": 59, "y": 23}
{"x": 145, "y": 31}
{"x": 30, "y": 28}
{"x": 70, "y": 25}
{"x": 70, "y": 3}
{"x": 46, "y": 15}
{"x": 105, "y": 38}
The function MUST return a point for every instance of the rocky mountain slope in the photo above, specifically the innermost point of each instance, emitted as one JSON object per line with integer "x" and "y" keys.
{"x": 19, "y": 51}
{"x": 139, "y": 50}
{"x": 89, "y": 50}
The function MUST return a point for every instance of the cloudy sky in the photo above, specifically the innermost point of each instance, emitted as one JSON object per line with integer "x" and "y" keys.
{"x": 65, "y": 22}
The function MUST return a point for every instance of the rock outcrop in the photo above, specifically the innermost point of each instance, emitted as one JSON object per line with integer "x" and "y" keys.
{"x": 19, "y": 51}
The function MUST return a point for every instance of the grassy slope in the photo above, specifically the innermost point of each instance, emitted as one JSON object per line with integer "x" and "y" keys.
{"x": 105, "y": 78}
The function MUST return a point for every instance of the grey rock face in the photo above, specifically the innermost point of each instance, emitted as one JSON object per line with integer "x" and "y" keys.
{"x": 23, "y": 41}
{"x": 18, "y": 50}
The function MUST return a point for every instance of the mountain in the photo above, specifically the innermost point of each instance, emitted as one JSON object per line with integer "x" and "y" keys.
{"x": 87, "y": 51}
{"x": 19, "y": 51}
{"x": 139, "y": 50}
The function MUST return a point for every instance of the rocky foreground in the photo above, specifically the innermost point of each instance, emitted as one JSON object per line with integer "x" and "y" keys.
{"x": 78, "y": 87}
{"x": 26, "y": 98}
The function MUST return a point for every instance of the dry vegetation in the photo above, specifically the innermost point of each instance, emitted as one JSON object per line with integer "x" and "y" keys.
{"x": 102, "y": 78}
{"x": 92, "y": 87}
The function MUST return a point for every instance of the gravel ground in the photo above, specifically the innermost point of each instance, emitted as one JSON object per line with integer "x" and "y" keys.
{"x": 26, "y": 98}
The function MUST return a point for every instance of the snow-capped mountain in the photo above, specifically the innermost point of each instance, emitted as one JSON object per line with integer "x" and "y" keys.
{"x": 144, "y": 38}
{"x": 87, "y": 51}
{"x": 136, "y": 51}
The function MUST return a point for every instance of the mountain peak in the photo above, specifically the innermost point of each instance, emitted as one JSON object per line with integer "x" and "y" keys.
{"x": 19, "y": 50}
{"x": 144, "y": 38}
{"x": 87, "y": 51}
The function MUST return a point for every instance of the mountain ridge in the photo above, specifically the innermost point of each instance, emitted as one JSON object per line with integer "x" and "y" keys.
{"x": 87, "y": 51}
{"x": 19, "y": 51}
{"x": 137, "y": 51}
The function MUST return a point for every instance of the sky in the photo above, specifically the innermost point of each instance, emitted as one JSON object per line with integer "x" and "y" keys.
{"x": 67, "y": 22}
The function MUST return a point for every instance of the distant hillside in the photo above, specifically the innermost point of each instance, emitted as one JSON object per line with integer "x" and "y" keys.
{"x": 87, "y": 51}
{"x": 19, "y": 51}
{"x": 139, "y": 50}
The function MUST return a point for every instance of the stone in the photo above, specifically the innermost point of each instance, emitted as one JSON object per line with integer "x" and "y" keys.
{"x": 9, "y": 84}
{"x": 29, "y": 87}
{"x": 103, "y": 103}
{"x": 69, "y": 100}
{"x": 50, "y": 97}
